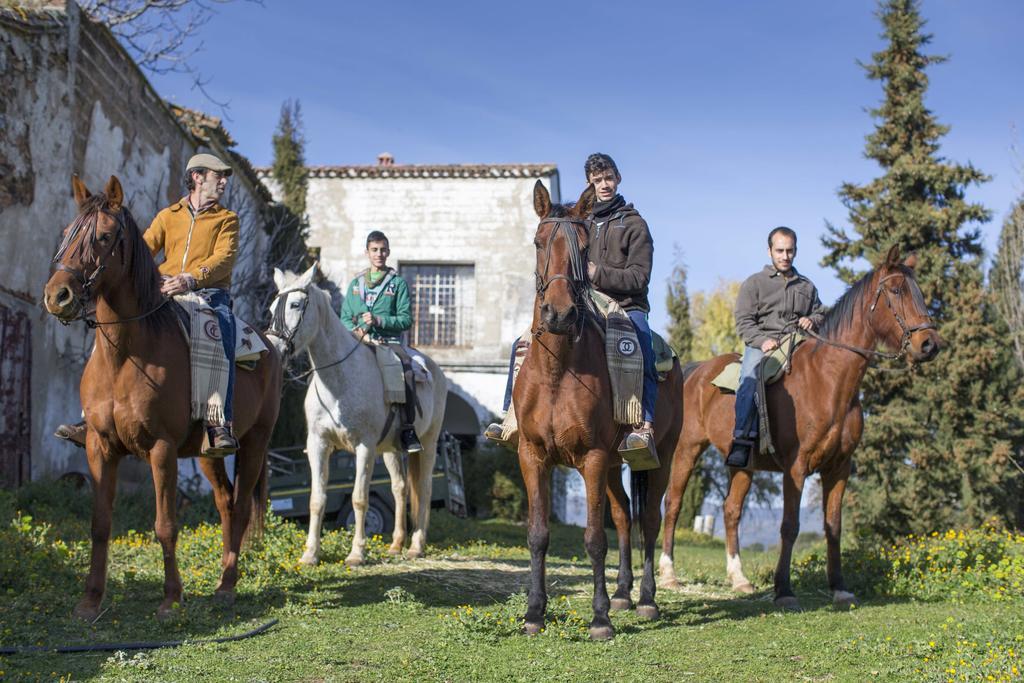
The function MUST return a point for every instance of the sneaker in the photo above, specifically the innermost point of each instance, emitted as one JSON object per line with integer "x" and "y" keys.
{"x": 220, "y": 442}
{"x": 496, "y": 432}
{"x": 74, "y": 433}
{"x": 739, "y": 454}
{"x": 637, "y": 450}
{"x": 411, "y": 442}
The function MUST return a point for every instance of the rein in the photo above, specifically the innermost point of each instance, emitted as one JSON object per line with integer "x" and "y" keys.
{"x": 280, "y": 330}
{"x": 907, "y": 330}
{"x": 87, "y": 282}
{"x": 578, "y": 280}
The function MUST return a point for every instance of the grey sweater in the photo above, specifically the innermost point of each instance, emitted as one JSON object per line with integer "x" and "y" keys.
{"x": 769, "y": 304}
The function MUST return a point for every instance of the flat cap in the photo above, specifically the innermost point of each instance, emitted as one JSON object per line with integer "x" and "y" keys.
{"x": 208, "y": 161}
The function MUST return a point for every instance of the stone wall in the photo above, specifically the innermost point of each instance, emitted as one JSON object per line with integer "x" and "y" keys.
{"x": 75, "y": 102}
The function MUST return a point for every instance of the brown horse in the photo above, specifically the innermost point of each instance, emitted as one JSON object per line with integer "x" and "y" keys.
{"x": 815, "y": 417}
{"x": 563, "y": 404}
{"x": 136, "y": 391}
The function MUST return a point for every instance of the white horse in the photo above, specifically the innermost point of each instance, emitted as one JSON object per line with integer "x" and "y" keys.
{"x": 345, "y": 409}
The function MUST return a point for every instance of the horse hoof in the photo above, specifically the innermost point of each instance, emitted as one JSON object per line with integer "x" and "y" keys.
{"x": 843, "y": 600}
{"x": 415, "y": 554}
{"x": 394, "y": 551}
{"x": 621, "y": 604}
{"x": 788, "y": 603}
{"x": 353, "y": 561}
{"x": 225, "y": 598}
{"x": 308, "y": 560}
{"x": 532, "y": 628}
{"x": 670, "y": 582}
{"x": 167, "y": 612}
{"x": 602, "y": 632}
{"x": 745, "y": 588}
{"x": 649, "y": 612}
{"x": 86, "y": 612}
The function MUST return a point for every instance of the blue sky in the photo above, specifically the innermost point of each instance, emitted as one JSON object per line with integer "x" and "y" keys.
{"x": 725, "y": 118}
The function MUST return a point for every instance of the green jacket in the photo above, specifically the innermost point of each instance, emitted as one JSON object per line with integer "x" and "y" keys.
{"x": 388, "y": 302}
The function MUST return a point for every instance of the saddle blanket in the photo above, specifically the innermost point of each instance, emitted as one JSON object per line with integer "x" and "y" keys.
{"x": 391, "y": 371}
{"x": 774, "y": 365}
{"x": 209, "y": 366}
{"x": 625, "y": 360}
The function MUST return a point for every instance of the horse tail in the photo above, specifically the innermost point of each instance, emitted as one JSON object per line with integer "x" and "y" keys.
{"x": 638, "y": 482}
{"x": 260, "y": 496}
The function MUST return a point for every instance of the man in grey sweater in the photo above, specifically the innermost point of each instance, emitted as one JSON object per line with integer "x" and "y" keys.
{"x": 772, "y": 302}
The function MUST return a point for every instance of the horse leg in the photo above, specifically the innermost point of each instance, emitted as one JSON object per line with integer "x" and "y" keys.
{"x": 421, "y": 472}
{"x": 739, "y": 486}
{"x": 217, "y": 475}
{"x": 250, "y": 461}
{"x": 537, "y": 479}
{"x": 365, "y": 457}
{"x": 393, "y": 461}
{"x": 318, "y": 451}
{"x": 650, "y": 521}
{"x": 163, "y": 461}
{"x": 619, "y": 502}
{"x": 833, "y": 486}
{"x": 104, "y": 477}
{"x": 683, "y": 463}
{"x": 595, "y": 474}
{"x": 792, "y": 491}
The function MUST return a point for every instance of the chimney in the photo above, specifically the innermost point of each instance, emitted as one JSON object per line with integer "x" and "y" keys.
{"x": 385, "y": 159}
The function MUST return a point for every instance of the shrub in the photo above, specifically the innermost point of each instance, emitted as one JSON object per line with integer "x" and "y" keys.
{"x": 493, "y": 483}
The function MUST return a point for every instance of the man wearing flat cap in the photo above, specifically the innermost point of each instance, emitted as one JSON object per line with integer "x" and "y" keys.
{"x": 199, "y": 238}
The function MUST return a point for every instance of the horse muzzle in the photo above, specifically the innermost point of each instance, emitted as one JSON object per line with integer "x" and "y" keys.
{"x": 559, "y": 322}
{"x": 927, "y": 348}
{"x": 61, "y": 301}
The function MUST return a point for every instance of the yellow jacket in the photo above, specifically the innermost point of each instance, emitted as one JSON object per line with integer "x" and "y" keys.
{"x": 205, "y": 248}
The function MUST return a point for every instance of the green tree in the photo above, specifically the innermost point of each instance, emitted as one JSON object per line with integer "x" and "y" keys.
{"x": 714, "y": 321}
{"x": 936, "y": 441}
{"x": 288, "y": 229}
{"x": 677, "y": 301}
{"x": 1007, "y": 277}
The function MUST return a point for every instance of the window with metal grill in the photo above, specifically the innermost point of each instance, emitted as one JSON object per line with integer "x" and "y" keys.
{"x": 442, "y": 296}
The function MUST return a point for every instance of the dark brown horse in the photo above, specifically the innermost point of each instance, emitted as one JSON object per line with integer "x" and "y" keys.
{"x": 136, "y": 391}
{"x": 815, "y": 418}
{"x": 564, "y": 407}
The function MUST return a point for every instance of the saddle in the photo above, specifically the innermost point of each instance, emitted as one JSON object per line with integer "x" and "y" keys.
{"x": 392, "y": 360}
{"x": 773, "y": 367}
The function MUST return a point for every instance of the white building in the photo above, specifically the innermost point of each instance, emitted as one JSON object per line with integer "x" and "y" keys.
{"x": 462, "y": 236}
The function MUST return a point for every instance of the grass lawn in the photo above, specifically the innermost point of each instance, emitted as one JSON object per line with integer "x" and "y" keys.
{"x": 455, "y": 616}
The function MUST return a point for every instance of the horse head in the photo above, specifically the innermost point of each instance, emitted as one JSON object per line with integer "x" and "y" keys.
{"x": 562, "y": 240}
{"x": 294, "y": 322}
{"x": 898, "y": 312}
{"x": 85, "y": 264}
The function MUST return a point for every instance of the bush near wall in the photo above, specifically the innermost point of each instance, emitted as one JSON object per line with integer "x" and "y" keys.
{"x": 494, "y": 483}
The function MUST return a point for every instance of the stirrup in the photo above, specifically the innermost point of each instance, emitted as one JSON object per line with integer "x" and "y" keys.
{"x": 637, "y": 450}
{"x": 739, "y": 453}
{"x": 496, "y": 432}
{"x": 220, "y": 443}
{"x": 411, "y": 442}
{"x": 75, "y": 433}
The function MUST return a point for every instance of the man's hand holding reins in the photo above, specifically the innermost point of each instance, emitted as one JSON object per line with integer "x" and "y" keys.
{"x": 178, "y": 284}
{"x": 769, "y": 345}
{"x": 805, "y": 323}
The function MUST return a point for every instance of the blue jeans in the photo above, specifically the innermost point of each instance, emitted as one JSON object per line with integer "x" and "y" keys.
{"x": 643, "y": 335}
{"x": 646, "y": 340}
{"x": 746, "y": 422}
{"x": 220, "y": 302}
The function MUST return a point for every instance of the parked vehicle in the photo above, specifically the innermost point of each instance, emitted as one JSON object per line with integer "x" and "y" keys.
{"x": 290, "y": 486}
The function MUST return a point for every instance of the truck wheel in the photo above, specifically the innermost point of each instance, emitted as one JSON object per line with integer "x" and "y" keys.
{"x": 380, "y": 519}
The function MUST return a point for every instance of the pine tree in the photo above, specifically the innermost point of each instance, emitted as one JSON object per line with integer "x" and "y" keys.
{"x": 289, "y": 166}
{"x": 937, "y": 440}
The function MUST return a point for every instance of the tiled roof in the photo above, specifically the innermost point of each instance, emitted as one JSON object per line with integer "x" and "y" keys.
{"x": 428, "y": 171}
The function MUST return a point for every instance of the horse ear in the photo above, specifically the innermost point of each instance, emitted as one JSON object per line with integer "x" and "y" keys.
{"x": 585, "y": 203}
{"x": 911, "y": 261}
{"x": 893, "y": 257}
{"x": 81, "y": 191}
{"x": 115, "y": 195}
{"x": 279, "y": 278}
{"x": 541, "y": 200}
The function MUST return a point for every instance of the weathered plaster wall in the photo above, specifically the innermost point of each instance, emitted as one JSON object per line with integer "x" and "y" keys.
{"x": 74, "y": 102}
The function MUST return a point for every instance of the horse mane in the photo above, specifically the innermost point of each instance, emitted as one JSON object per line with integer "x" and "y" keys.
{"x": 840, "y": 316}
{"x": 143, "y": 273}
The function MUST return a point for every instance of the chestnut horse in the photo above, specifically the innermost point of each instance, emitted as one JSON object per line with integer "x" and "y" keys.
{"x": 563, "y": 403}
{"x": 136, "y": 392}
{"x": 815, "y": 417}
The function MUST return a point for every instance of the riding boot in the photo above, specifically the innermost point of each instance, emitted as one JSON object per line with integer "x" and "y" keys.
{"x": 75, "y": 433}
{"x": 220, "y": 442}
{"x": 410, "y": 442}
{"x": 739, "y": 454}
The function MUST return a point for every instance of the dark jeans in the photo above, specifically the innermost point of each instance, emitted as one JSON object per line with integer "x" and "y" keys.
{"x": 646, "y": 340}
{"x": 746, "y": 422}
{"x": 220, "y": 302}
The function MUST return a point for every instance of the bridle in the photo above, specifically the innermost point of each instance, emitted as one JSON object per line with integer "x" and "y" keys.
{"x": 279, "y": 329}
{"x": 87, "y": 282}
{"x": 907, "y": 330}
{"x": 578, "y": 280}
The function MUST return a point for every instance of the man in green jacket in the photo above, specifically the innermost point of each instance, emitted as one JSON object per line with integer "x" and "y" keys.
{"x": 377, "y": 310}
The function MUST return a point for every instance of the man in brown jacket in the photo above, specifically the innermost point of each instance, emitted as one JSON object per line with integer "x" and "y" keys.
{"x": 776, "y": 300}
{"x": 199, "y": 238}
